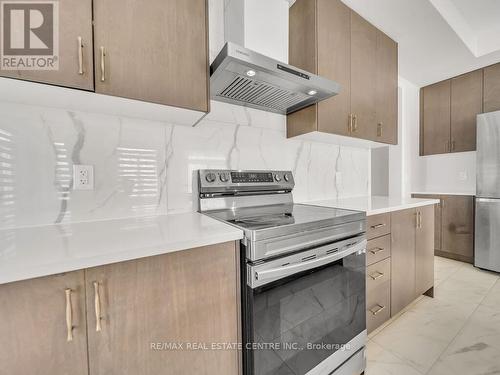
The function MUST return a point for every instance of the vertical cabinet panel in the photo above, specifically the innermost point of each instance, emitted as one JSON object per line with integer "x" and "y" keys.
{"x": 185, "y": 297}
{"x": 156, "y": 52}
{"x": 302, "y": 53}
{"x": 334, "y": 62}
{"x": 458, "y": 227}
{"x": 466, "y": 104}
{"x": 437, "y": 218}
{"x": 363, "y": 73}
{"x": 386, "y": 90}
{"x": 424, "y": 244}
{"x": 75, "y": 20}
{"x": 492, "y": 88}
{"x": 436, "y": 118}
{"x": 34, "y": 326}
{"x": 403, "y": 225}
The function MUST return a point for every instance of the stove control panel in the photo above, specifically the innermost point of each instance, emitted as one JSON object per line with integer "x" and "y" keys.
{"x": 235, "y": 180}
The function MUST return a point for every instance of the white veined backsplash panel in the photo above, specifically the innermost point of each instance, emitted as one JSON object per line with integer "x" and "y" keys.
{"x": 145, "y": 168}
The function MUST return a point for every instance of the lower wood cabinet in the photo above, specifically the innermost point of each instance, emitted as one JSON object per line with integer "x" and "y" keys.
{"x": 454, "y": 226}
{"x": 123, "y": 316}
{"x": 424, "y": 253}
{"x": 400, "y": 261}
{"x": 37, "y": 337}
{"x": 403, "y": 257}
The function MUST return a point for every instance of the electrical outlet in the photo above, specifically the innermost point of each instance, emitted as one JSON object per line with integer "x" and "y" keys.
{"x": 83, "y": 177}
{"x": 462, "y": 175}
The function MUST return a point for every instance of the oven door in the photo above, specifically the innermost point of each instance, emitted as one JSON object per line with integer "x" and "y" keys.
{"x": 305, "y": 313}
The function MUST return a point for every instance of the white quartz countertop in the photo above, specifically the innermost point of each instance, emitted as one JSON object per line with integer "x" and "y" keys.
{"x": 31, "y": 252}
{"x": 439, "y": 192}
{"x": 374, "y": 205}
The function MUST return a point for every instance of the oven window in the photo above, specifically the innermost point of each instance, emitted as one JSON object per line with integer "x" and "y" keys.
{"x": 299, "y": 321}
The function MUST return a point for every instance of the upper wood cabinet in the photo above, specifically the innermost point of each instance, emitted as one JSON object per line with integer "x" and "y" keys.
{"x": 466, "y": 104}
{"x": 435, "y": 118}
{"x": 492, "y": 88}
{"x": 363, "y": 78}
{"x": 329, "y": 39}
{"x": 386, "y": 96}
{"x": 42, "y": 326}
{"x": 448, "y": 112}
{"x": 155, "y": 51}
{"x": 75, "y": 50}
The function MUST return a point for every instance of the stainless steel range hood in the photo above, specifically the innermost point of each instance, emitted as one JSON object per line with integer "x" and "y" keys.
{"x": 244, "y": 77}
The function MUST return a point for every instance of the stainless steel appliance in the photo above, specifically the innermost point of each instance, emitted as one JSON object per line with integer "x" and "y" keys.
{"x": 487, "y": 223}
{"x": 303, "y": 274}
{"x": 244, "y": 77}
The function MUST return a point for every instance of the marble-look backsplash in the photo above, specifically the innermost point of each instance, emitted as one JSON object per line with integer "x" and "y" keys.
{"x": 145, "y": 167}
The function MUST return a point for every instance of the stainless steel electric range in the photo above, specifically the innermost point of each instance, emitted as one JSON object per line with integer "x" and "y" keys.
{"x": 303, "y": 274}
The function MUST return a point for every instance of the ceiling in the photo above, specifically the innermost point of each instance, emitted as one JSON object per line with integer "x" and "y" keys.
{"x": 437, "y": 39}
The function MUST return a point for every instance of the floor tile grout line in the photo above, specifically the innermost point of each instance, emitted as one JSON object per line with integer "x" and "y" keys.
{"x": 462, "y": 328}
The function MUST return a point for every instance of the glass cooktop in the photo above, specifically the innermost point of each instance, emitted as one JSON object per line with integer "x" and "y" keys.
{"x": 292, "y": 215}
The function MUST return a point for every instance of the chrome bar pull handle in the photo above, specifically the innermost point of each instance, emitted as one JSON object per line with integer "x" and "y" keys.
{"x": 80, "y": 56}
{"x": 376, "y": 226}
{"x": 376, "y": 275}
{"x": 378, "y": 310}
{"x": 376, "y": 250}
{"x": 97, "y": 305}
{"x": 69, "y": 316}
{"x": 354, "y": 123}
{"x": 349, "y": 124}
{"x": 379, "y": 129}
{"x": 103, "y": 64}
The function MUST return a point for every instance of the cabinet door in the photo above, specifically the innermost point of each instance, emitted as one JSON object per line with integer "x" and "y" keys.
{"x": 437, "y": 218}
{"x": 402, "y": 259}
{"x": 154, "y": 50}
{"x": 436, "y": 118}
{"x": 491, "y": 88}
{"x": 386, "y": 90}
{"x": 185, "y": 297}
{"x": 75, "y": 21}
{"x": 363, "y": 73}
{"x": 34, "y": 326}
{"x": 424, "y": 250}
{"x": 458, "y": 226}
{"x": 466, "y": 104}
{"x": 334, "y": 62}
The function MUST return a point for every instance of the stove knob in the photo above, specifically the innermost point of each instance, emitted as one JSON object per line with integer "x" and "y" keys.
{"x": 277, "y": 178}
{"x": 287, "y": 177}
{"x": 210, "y": 177}
{"x": 224, "y": 177}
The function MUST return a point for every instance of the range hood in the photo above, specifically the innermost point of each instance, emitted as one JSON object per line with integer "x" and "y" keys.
{"x": 244, "y": 77}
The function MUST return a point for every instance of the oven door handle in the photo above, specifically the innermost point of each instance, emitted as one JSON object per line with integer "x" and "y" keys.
{"x": 281, "y": 272}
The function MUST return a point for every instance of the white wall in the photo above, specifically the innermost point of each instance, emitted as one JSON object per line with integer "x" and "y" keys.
{"x": 260, "y": 25}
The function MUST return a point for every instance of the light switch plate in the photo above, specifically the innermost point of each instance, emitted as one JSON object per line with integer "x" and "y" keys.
{"x": 83, "y": 177}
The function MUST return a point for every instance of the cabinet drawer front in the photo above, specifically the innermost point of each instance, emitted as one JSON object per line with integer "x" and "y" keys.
{"x": 378, "y": 225}
{"x": 378, "y": 249}
{"x": 378, "y": 308}
{"x": 377, "y": 274}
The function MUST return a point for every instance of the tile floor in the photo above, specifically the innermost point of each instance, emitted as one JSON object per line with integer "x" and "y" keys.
{"x": 455, "y": 333}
